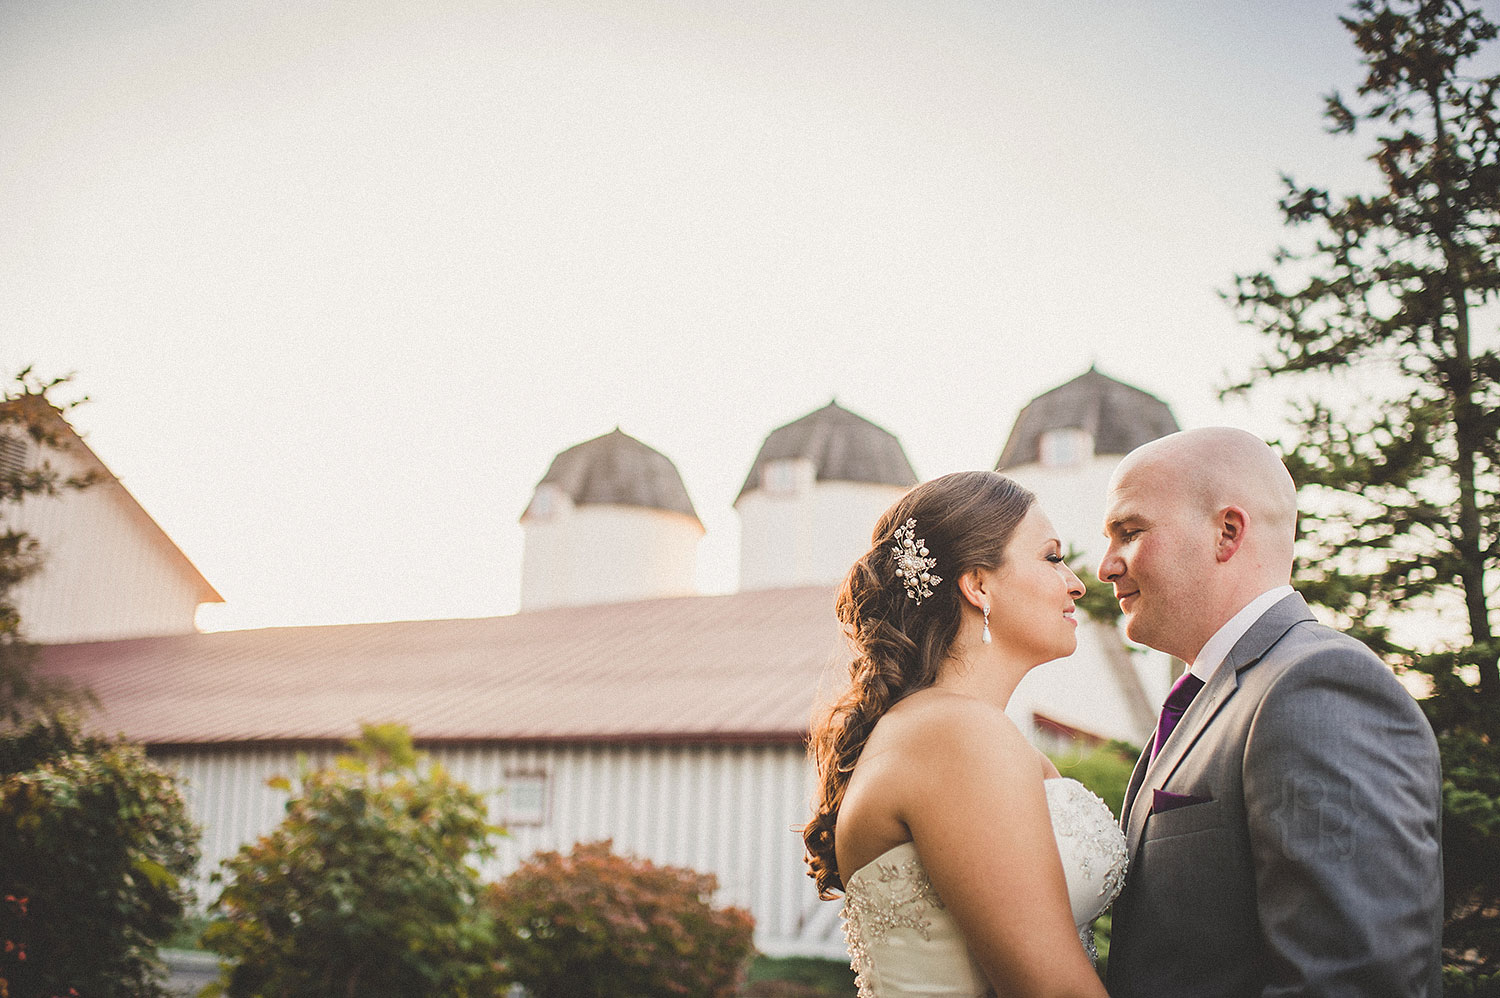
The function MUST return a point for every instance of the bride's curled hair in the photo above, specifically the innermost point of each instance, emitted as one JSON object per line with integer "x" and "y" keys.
{"x": 965, "y": 520}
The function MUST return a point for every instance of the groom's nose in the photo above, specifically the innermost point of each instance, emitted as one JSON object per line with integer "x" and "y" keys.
{"x": 1110, "y": 566}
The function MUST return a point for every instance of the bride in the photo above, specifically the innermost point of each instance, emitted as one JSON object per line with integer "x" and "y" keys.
{"x": 968, "y": 866}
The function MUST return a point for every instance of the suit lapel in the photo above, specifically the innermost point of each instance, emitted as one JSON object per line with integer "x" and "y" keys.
{"x": 1202, "y": 710}
{"x": 1248, "y": 650}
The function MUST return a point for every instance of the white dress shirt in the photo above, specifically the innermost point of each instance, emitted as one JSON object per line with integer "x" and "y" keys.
{"x": 1217, "y": 647}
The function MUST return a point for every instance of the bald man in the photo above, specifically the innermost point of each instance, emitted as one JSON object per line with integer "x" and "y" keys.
{"x": 1283, "y": 822}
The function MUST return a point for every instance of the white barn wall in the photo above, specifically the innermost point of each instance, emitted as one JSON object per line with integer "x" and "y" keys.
{"x": 107, "y": 572}
{"x": 584, "y": 555}
{"x": 726, "y": 810}
{"x": 810, "y": 537}
{"x": 1081, "y": 690}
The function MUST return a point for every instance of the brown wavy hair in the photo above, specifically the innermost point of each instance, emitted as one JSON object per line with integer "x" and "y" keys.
{"x": 965, "y": 519}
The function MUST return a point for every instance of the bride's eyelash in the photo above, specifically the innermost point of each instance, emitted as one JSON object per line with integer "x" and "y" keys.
{"x": 1056, "y": 559}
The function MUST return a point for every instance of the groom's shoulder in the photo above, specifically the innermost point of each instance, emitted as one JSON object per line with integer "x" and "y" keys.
{"x": 1312, "y": 653}
{"x": 1313, "y": 641}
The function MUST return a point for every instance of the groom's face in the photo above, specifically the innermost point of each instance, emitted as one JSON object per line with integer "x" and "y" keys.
{"x": 1159, "y": 559}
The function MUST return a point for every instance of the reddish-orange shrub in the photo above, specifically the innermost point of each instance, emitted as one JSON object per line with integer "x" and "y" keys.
{"x": 593, "y": 924}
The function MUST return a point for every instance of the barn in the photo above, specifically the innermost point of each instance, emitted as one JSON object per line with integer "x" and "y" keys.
{"x": 672, "y": 723}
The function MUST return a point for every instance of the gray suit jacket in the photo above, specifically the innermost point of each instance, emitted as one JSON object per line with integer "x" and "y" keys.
{"x": 1301, "y": 853}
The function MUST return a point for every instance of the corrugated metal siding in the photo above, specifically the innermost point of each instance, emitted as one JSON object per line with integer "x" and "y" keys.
{"x": 727, "y": 810}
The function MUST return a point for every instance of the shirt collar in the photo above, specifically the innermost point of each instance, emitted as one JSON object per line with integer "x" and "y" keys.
{"x": 1218, "y": 647}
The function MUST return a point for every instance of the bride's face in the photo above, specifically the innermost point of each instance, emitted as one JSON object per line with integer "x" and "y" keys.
{"x": 1032, "y": 607}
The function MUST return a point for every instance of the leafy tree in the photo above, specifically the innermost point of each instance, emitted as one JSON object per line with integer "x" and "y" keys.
{"x": 94, "y": 840}
{"x": 592, "y": 924}
{"x": 365, "y": 888}
{"x": 27, "y": 413}
{"x": 95, "y": 849}
{"x": 1400, "y": 492}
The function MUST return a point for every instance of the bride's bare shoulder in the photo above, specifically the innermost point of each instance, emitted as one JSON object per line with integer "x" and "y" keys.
{"x": 951, "y": 725}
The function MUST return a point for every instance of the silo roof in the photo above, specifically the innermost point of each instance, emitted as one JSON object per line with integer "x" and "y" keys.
{"x": 1118, "y": 416}
{"x": 618, "y": 470}
{"x": 843, "y": 447}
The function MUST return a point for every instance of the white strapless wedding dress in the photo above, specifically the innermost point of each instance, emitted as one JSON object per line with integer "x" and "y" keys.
{"x": 903, "y": 943}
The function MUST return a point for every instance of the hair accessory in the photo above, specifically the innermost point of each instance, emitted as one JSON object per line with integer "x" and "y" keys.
{"x": 913, "y": 566}
{"x": 985, "y": 637}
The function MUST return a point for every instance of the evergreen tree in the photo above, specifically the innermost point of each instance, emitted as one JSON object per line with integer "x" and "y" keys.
{"x": 1396, "y": 292}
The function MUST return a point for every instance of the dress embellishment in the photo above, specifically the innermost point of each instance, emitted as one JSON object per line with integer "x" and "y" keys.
{"x": 900, "y": 897}
{"x": 903, "y": 942}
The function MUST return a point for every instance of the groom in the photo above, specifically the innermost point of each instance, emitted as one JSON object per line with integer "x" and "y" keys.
{"x": 1283, "y": 822}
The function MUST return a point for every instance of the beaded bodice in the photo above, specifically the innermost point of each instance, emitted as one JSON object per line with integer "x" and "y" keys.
{"x": 903, "y": 942}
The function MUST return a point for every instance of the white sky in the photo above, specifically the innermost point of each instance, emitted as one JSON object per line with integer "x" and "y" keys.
{"x": 342, "y": 278}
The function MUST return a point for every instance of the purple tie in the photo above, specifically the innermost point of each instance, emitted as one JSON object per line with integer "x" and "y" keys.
{"x": 1183, "y": 691}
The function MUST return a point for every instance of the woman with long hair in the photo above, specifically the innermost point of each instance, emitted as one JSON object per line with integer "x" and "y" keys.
{"x": 968, "y": 866}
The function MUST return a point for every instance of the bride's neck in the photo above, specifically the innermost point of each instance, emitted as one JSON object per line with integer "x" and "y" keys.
{"x": 984, "y": 673}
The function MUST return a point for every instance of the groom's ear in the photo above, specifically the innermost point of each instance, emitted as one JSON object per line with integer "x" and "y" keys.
{"x": 1230, "y": 526}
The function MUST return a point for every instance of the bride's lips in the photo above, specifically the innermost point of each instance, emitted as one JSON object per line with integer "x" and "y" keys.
{"x": 1068, "y": 614}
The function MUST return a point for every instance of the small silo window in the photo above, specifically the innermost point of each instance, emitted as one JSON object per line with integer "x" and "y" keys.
{"x": 788, "y": 476}
{"x": 12, "y": 455}
{"x": 1065, "y": 448}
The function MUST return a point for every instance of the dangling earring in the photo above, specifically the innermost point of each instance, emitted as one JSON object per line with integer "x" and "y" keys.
{"x": 984, "y": 638}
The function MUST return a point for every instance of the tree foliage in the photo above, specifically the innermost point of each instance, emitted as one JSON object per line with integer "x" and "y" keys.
{"x": 592, "y": 924}
{"x": 365, "y": 888}
{"x": 1398, "y": 288}
{"x": 1098, "y": 600}
{"x": 95, "y": 850}
{"x": 28, "y": 418}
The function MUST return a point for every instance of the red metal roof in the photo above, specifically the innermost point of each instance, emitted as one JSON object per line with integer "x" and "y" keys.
{"x": 700, "y": 668}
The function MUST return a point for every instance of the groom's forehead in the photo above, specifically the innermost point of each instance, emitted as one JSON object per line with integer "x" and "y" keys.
{"x": 1130, "y": 496}
{"x": 1139, "y": 501}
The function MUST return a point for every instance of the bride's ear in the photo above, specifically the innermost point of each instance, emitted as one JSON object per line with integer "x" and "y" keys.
{"x": 973, "y": 587}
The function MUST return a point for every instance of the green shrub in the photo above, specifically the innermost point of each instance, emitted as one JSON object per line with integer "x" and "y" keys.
{"x": 1468, "y": 735}
{"x": 364, "y": 889}
{"x": 805, "y": 975}
{"x": 1105, "y": 770}
{"x": 592, "y": 924}
{"x": 95, "y": 849}
{"x": 1459, "y": 982}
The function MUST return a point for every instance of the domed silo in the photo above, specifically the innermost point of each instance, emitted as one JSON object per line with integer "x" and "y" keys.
{"x": 1064, "y": 446}
{"x": 610, "y": 521}
{"x": 1066, "y": 443}
{"x": 813, "y": 495}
